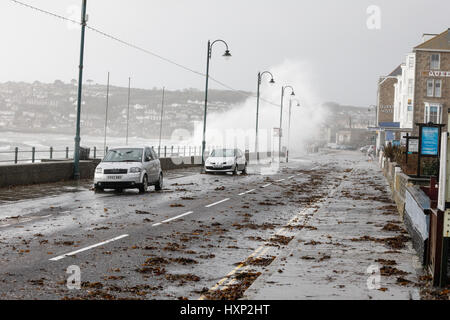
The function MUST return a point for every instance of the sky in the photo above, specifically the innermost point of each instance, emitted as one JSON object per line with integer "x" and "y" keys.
{"x": 345, "y": 45}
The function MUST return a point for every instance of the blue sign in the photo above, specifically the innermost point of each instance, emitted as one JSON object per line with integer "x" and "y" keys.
{"x": 430, "y": 141}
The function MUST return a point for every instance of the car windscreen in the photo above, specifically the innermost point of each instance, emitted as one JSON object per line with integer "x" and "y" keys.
{"x": 223, "y": 153}
{"x": 124, "y": 155}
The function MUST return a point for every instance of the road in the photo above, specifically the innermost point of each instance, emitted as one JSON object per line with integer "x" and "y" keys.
{"x": 202, "y": 237}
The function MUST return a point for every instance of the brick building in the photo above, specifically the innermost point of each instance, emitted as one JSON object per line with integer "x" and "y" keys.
{"x": 432, "y": 80}
{"x": 386, "y": 95}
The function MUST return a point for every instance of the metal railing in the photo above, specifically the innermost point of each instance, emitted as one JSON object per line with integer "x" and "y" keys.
{"x": 33, "y": 155}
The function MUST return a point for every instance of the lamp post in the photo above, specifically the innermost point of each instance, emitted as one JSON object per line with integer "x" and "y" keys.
{"x": 283, "y": 89}
{"x": 289, "y": 127}
{"x": 272, "y": 81}
{"x": 161, "y": 122}
{"x": 76, "y": 156}
{"x": 128, "y": 110}
{"x": 208, "y": 58}
{"x": 106, "y": 116}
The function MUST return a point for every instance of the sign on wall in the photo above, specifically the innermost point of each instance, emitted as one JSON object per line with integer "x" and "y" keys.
{"x": 443, "y": 74}
{"x": 430, "y": 141}
{"x": 413, "y": 146}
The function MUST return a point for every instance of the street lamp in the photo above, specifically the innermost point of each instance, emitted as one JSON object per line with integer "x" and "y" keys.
{"x": 76, "y": 155}
{"x": 226, "y": 55}
{"x": 283, "y": 89}
{"x": 272, "y": 81}
{"x": 289, "y": 127}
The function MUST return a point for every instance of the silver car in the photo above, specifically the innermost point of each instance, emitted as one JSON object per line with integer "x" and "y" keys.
{"x": 226, "y": 160}
{"x": 129, "y": 168}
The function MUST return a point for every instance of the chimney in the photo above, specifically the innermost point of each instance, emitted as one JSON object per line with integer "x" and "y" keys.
{"x": 428, "y": 36}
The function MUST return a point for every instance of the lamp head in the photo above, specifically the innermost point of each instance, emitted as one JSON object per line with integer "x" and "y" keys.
{"x": 227, "y": 55}
{"x": 293, "y": 93}
{"x": 272, "y": 81}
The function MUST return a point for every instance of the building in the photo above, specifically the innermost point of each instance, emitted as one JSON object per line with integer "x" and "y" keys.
{"x": 386, "y": 95}
{"x": 432, "y": 80}
{"x": 404, "y": 93}
{"x": 386, "y": 126}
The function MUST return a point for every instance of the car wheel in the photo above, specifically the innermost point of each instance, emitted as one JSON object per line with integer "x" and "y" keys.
{"x": 159, "y": 184}
{"x": 98, "y": 189}
{"x": 144, "y": 186}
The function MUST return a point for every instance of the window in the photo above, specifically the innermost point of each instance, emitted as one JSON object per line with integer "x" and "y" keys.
{"x": 438, "y": 88}
{"x": 430, "y": 88}
{"x": 410, "y": 87}
{"x": 435, "y": 61}
{"x": 433, "y": 113}
{"x": 411, "y": 63}
{"x": 124, "y": 155}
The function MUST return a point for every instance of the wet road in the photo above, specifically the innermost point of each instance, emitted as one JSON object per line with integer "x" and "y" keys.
{"x": 192, "y": 240}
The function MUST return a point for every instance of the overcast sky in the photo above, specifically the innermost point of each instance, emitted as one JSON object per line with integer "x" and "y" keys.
{"x": 343, "y": 55}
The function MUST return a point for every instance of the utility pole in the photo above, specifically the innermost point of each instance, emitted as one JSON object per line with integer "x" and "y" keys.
{"x": 106, "y": 115}
{"x": 128, "y": 112}
{"x": 208, "y": 58}
{"x": 161, "y": 120}
{"x": 281, "y": 118}
{"x": 272, "y": 81}
{"x": 76, "y": 156}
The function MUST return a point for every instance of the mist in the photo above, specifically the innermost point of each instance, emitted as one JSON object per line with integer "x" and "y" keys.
{"x": 236, "y": 127}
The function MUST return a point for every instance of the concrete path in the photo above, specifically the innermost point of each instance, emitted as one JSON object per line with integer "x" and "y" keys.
{"x": 354, "y": 235}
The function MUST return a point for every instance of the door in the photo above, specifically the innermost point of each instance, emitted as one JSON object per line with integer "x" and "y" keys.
{"x": 148, "y": 166}
{"x": 240, "y": 160}
{"x": 156, "y": 166}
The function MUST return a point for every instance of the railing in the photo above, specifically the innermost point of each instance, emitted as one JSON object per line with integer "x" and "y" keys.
{"x": 27, "y": 155}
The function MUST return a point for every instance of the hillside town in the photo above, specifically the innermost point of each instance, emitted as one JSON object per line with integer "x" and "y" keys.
{"x": 51, "y": 108}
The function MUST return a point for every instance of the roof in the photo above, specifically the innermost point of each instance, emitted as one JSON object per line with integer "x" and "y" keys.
{"x": 439, "y": 42}
{"x": 397, "y": 71}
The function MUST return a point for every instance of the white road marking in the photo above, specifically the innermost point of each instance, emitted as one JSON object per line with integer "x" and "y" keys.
{"x": 5, "y": 225}
{"x": 216, "y": 203}
{"x": 291, "y": 177}
{"x": 88, "y": 248}
{"x": 265, "y": 186}
{"x": 174, "y": 218}
{"x": 280, "y": 180}
{"x": 243, "y": 193}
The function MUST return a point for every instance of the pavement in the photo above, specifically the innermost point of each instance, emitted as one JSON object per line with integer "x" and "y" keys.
{"x": 354, "y": 234}
{"x": 306, "y": 229}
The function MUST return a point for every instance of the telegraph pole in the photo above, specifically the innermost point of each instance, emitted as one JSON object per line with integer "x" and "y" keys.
{"x": 161, "y": 122}
{"x": 128, "y": 112}
{"x": 76, "y": 156}
{"x": 106, "y": 115}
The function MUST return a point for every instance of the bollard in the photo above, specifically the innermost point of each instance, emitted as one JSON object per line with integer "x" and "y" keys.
{"x": 184, "y": 151}
{"x": 189, "y": 151}
{"x": 159, "y": 151}
{"x": 95, "y": 152}
{"x": 67, "y": 152}
{"x": 171, "y": 152}
{"x": 51, "y": 153}
{"x": 33, "y": 154}
{"x": 165, "y": 151}
{"x": 16, "y": 155}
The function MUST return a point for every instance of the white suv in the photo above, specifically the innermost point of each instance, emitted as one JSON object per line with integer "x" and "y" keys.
{"x": 129, "y": 168}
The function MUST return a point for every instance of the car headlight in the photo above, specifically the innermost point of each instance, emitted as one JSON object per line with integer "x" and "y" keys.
{"x": 98, "y": 170}
{"x": 135, "y": 170}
